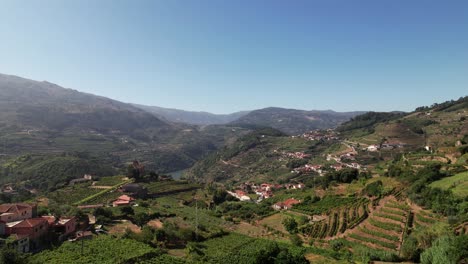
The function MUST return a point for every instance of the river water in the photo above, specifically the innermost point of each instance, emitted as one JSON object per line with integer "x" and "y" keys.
{"x": 176, "y": 175}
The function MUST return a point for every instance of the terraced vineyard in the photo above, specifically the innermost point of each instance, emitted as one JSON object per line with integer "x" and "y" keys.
{"x": 424, "y": 219}
{"x": 337, "y": 221}
{"x": 385, "y": 226}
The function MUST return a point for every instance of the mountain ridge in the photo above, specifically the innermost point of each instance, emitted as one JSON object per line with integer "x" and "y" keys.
{"x": 294, "y": 121}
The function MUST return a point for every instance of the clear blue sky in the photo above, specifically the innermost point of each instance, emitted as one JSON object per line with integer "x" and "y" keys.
{"x": 225, "y": 56}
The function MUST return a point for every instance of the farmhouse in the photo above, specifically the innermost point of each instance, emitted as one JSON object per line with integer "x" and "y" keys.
{"x": 34, "y": 228}
{"x": 286, "y": 205}
{"x": 372, "y": 148}
{"x": 123, "y": 200}
{"x": 60, "y": 228}
{"x": 241, "y": 195}
{"x": 17, "y": 211}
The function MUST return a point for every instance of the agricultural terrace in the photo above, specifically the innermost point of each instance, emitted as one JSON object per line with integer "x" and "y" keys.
{"x": 89, "y": 192}
{"x": 385, "y": 226}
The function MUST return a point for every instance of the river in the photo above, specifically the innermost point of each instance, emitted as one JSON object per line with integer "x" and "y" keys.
{"x": 176, "y": 175}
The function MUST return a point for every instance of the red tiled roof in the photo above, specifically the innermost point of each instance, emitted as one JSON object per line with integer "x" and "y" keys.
{"x": 290, "y": 202}
{"x": 121, "y": 202}
{"x": 5, "y": 208}
{"x": 125, "y": 198}
{"x": 32, "y": 222}
{"x": 50, "y": 218}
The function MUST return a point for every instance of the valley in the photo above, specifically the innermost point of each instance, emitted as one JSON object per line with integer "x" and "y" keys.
{"x": 356, "y": 187}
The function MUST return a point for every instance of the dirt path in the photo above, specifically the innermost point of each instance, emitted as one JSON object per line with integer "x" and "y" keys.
{"x": 99, "y": 187}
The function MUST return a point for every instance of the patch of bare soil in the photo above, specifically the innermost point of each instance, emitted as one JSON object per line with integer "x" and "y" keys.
{"x": 156, "y": 223}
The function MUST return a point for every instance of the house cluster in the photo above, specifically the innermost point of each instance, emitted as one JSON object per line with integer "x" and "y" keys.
{"x": 321, "y": 170}
{"x": 294, "y": 186}
{"x": 349, "y": 156}
{"x": 21, "y": 228}
{"x": 286, "y": 205}
{"x": 241, "y": 195}
{"x": 309, "y": 168}
{"x": 264, "y": 190}
{"x": 387, "y": 146}
{"x": 296, "y": 155}
{"x": 328, "y": 134}
{"x": 352, "y": 165}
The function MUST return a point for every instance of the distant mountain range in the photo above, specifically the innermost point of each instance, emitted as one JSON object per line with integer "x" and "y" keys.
{"x": 293, "y": 121}
{"x": 191, "y": 117}
{"x": 290, "y": 121}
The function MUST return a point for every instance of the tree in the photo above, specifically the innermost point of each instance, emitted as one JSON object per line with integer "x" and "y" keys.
{"x": 103, "y": 215}
{"x": 153, "y": 176}
{"x": 410, "y": 249}
{"x": 444, "y": 250}
{"x": 336, "y": 244}
{"x": 127, "y": 210}
{"x": 290, "y": 225}
{"x": 285, "y": 257}
{"x": 219, "y": 196}
{"x": 374, "y": 188}
{"x": 295, "y": 240}
{"x": 140, "y": 219}
{"x": 10, "y": 255}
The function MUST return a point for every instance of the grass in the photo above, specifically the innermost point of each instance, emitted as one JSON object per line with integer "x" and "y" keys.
{"x": 389, "y": 216}
{"x": 167, "y": 187}
{"x": 357, "y": 186}
{"x": 275, "y": 221}
{"x": 385, "y": 225}
{"x": 373, "y": 241}
{"x": 397, "y": 206}
{"x": 73, "y": 194}
{"x": 110, "y": 180}
{"x": 393, "y": 212}
{"x": 102, "y": 249}
{"x": 379, "y": 234}
{"x": 326, "y": 204}
{"x": 422, "y": 219}
{"x": 100, "y": 193}
{"x": 458, "y": 184}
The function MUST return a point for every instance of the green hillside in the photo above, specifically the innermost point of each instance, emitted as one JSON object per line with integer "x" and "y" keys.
{"x": 443, "y": 127}
{"x": 292, "y": 121}
{"x": 256, "y": 156}
{"x": 458, "y": 184}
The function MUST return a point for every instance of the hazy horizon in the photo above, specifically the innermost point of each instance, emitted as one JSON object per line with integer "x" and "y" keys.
{"x": 225, "y": 57}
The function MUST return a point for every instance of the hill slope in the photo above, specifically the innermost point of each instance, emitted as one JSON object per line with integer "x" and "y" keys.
{"x": 30, "y": 104}
{"x": 261, "y": 155}
{"x": 440, "y": 126}
{"x": 41, "y": 117}
{"x": 292, "y": 121}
